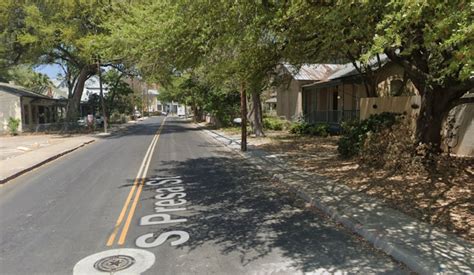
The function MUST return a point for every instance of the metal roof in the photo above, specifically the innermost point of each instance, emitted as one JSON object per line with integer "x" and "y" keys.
{"x": 315, "y": 72}
{"x": 21, "y": 91}
{"x": 349, "y": 69}
{"x": 346, "y": 70}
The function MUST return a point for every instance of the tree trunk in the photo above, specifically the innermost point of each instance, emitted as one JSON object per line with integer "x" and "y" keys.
{"x": 256, "y": 117}
{"x": 243, "y": 115}
{"x": 197, "y": 113}
{"x": 72, "y": 113}
{"x": 102, "y": 100}
{"x": 433, "y": 110}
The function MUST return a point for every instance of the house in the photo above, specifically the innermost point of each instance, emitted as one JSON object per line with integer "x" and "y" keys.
{"x": 343, "y": 96}
{"x": 151, "y": 101}
{"x": 270, "y": 105}
{"x": 337, "y": 98}
{"x": 35, "y": 111}
{"x": 289, "y": 86}
{"x": 92, "y": 87}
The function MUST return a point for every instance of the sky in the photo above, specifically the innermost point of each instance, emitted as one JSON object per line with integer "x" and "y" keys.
{"x": 49, "y": 70}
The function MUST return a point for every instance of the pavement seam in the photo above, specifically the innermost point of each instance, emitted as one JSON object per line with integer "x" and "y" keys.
{"x": 377, "y": 239}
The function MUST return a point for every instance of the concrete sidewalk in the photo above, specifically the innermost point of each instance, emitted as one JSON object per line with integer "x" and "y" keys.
{"x": 20, "y": 154}
{"x": 423, "y": 248}
{"x": 35, "y": 154}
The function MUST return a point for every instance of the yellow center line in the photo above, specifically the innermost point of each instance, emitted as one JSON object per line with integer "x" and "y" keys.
{"x": 123, "y": 235}
{"x": 111, "y": 239}
{"x": 129, "y": 197}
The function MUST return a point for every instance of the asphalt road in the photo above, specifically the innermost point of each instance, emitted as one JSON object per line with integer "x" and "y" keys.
{"x": 162, "y": 198}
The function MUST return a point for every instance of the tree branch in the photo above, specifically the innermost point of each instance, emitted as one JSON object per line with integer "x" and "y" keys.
{"x": 71, "y": 58}
{"x": 418, "y": 77}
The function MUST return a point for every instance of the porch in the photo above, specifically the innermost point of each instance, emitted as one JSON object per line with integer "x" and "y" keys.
{"x": 331, "y": 103}
{"x": 331, "y": 117}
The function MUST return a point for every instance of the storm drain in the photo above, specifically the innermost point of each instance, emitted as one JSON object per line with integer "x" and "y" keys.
{"x": 114, "y": 263}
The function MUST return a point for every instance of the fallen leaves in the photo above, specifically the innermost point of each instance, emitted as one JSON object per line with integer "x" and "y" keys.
{"x": 439, "y": 193}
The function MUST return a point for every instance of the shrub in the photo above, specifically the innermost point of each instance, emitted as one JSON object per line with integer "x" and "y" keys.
{"x": 390, "y": 148}
{"x": 303, "y": 128}
{"x": 273, "y": 123}
{"x": 354, "y": 133}
{"x": 118, "y": 118}
{"x": 13, "y": 124}
{"x": 321, "y": 130}
{"x": 299, "y": 128}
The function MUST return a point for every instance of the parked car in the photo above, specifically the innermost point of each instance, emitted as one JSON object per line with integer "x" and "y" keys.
{"x": 137, "y": 114}
{"x": 237, "y": 121}
{"x": 99, "y": 120}
{"x": 164, "y": 113}
{"x": 82, "y": 121}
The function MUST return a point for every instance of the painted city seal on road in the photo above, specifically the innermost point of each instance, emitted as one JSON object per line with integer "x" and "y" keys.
{"x": 116, "y": 261}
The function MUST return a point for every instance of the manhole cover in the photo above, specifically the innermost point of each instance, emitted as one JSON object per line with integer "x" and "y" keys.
{"x": 114, "y": 263}
{"x": 122, "y": 261}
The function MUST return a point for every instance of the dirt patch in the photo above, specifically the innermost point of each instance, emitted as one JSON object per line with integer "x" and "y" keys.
{"x": 439, "y": 193}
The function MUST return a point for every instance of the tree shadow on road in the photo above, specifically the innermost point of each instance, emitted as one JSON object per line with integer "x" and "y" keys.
{"x": 239, "y": 210}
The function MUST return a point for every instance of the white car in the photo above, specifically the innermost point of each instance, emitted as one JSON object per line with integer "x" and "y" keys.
{"x": 137, "y": 114}
{"x": 99, "y": 120}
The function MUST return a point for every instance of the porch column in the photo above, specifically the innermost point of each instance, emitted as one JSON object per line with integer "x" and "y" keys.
{"x": 30, "y": 115}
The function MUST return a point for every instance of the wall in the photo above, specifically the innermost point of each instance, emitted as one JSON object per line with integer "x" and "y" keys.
{"x": 289, "y": 99}
{"x": 389, "y": 73}
{"x": 408, "y": 105}
{"x": 10, "y": 106}
{"x": 462, "y": 141}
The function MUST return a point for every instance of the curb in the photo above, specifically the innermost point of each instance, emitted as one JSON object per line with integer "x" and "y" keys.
{"x": 19, "y": 173}
{"x": 377, "y": 239}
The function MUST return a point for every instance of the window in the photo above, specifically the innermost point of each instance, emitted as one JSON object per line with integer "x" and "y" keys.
{"x": 26, "y": 115}
{"x": 396, "y": 87}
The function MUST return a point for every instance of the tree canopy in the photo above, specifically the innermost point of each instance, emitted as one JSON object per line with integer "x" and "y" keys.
{"x": 228, "y": 45}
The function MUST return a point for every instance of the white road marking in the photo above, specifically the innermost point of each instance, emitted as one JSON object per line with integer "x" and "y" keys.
{"x": 143, "y": 261}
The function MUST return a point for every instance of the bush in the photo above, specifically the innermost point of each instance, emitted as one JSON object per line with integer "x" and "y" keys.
{"x": 390, "y": 148}
{"x": 273, "y": 123}
{"x": 13, "y": 124}
{"x": 354, "y": 133}
{"x": 321, "y": 130}
{"x": 303, "y": 128}
{"x": 119, "y": 118}
{"x": 299, "y": 128}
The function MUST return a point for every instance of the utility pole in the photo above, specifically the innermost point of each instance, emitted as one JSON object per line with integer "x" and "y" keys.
{"x": 144, "y": 101}
{"x": 102, "y": 102}
{"x": 243, "y": 114}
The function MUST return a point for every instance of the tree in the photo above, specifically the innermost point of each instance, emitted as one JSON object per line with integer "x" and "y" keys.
{"x": 49, "y": 32}
{"x": 193, "y": 89}
{"x": 233, "y": 40}
{"x": 432, "y": 40}
{"x": 25, "y": 76}
{"x": 119, "y": 96}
